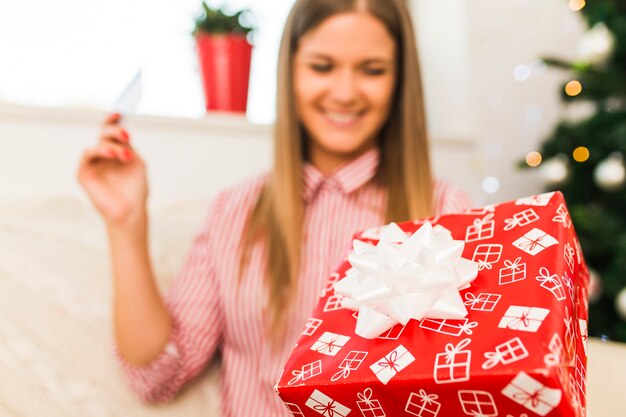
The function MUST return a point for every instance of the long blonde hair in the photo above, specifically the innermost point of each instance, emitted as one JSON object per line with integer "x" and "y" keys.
{"x": 404, "y": 169}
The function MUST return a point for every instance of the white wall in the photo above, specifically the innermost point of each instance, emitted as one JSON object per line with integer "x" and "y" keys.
{"x": 186, "y": 158}
{"x": 517, "y": 116}
{"x": 470, "y": 50}
{"x": 483, "y": 121}
{"x": 443, "y": 42}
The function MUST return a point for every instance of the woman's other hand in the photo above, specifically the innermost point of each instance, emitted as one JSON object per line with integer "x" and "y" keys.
{"x": 114, "y": 175}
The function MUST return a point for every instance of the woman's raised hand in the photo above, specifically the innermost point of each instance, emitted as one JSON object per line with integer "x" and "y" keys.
{"x": 114, "y": 176}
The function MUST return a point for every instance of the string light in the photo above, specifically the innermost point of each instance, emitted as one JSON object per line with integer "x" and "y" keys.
{"x": 580, "y": 154}
{"x": 533, "y": 159}
{"x": 576, "y": 5}
{"x": 573, "y": 88}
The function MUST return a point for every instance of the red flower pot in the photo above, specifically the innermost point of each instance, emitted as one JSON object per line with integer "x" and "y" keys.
{"x": 225, "y": 67}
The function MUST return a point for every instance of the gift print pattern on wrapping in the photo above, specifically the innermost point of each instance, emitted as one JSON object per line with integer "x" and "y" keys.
{"x": 527, "y": 319}
{"x": 581, "y": 378}
{"x": 490, "y": 208}
{"x": 570, "y": 334}
{"x": 532, "y": 394}
{"x": 333, "y": 303}
{"x": 308, "y": 371}
{"x": 575, "y": 401}
{"x": 562, "y": 216}
{"x": 552, "y": 283}
{"x": 568, "y": 254}
{"x": 478, "y": 403}
{"x": 486, "y": 255}
{"x": 583, "y": 331}
{"x": 326, "y": 406}
{"x": 311, "y": 326}
{"x": 392, "y": 363}
{"x": 393, "y": 333}
{"x": 535, "y": 241}
{"x": 506, "y": 353}
{"x": 521, "y": 218}
{"x": 294, "y": 409}
{"x": 579, "y": 250}
{"x": 449, "y": 327}
{"x": 556, "y": 349}
{"x": 374, "y": 233}
{"x": 567, "y": 281}
{"x": 513, "y": 271}
{"x": 484, "y": 301}
{"x": 481, "y": 229}
{"x": 329, "y": 286}
{"x": 422, "y": 404}
{"x": 350, "y": 363}
{"x": 453, "y": 364}
{"x": 535, "y": 200}
{"x": 433, "y": 220}
{"x": 330, "y": 343}
{"x": 368, "y": 406}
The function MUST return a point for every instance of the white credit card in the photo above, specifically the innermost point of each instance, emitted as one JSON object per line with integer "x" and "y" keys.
{"x": 128, "y": 101}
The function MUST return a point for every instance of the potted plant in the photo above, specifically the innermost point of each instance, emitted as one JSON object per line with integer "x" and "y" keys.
{"x": 224, "y": 54}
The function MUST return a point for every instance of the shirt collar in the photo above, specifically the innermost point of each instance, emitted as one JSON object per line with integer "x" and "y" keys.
{"x": 348, "y": 177}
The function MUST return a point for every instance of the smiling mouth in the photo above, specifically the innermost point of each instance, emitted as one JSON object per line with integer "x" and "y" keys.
{"x": 342, "y": 118}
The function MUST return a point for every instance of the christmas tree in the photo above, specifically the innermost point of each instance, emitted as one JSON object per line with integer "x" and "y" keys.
{"x": 585, "y": 159}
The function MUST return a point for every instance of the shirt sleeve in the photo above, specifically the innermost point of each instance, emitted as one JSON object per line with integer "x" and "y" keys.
{"x": 197, "y": 323}
{"x": 450, "y": 199}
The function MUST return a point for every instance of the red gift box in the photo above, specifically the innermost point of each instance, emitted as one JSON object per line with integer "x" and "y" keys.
{"x": 520, "y": 349}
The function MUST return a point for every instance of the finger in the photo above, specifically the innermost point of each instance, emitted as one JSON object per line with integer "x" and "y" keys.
{"x": 110, "y": 151}
{"x": 93, "y": 156}
{"x": 112, "y": 118}
{"x": 114, "y": 134}
{"x": 122, "y": 152}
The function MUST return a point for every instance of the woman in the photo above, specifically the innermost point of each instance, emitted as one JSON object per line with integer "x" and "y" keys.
{"x": 350, "y": 153}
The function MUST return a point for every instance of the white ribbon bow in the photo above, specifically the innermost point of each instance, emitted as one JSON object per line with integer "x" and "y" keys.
{"x": 403, "y": 278}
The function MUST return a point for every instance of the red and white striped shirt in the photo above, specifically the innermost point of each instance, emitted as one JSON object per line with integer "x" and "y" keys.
{"x": 212, "y": 308}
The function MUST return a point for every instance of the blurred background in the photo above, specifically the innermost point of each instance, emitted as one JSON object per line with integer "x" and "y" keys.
{"x": 490, "y": 99}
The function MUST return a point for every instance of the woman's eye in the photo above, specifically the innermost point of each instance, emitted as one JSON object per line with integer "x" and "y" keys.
{"x": 321, "y": 67}
{"x": 374, "y": 71}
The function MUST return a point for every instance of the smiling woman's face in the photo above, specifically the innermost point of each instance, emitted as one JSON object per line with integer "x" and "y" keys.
{"x": 344, "y": 79}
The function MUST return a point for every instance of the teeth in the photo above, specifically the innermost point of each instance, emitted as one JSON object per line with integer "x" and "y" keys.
{"x": 341, "y": 117}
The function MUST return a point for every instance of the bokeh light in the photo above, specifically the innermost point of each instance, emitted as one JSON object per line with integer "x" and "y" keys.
{"x": 491, "y": 185}
{"x": 573, "y": 88}
{"x": 576, "y": 5}
{"x": 580, "y": 154}
{"x": 521, "y": 72}
{"x": 533, "y": 159}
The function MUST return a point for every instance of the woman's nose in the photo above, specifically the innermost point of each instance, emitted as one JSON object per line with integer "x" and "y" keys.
{"x": 344, "y": 88}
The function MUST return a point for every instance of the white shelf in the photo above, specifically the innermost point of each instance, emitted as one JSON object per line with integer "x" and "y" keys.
{"x": 91, "y": 117}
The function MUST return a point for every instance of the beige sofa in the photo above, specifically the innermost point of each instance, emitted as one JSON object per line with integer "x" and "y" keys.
{"x": 55, "y": 331}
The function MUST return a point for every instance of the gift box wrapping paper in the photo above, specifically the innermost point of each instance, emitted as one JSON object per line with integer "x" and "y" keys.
{"x": 521, "y": 349}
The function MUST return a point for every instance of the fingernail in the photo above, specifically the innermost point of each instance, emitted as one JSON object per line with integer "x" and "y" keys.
{"x": 124, "y": 134}
{"x": 128, "y": 155}
{"x": 113, "y": 116}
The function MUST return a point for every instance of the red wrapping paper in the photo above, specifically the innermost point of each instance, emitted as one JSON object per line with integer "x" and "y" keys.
{"x": 520, "y": 350}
